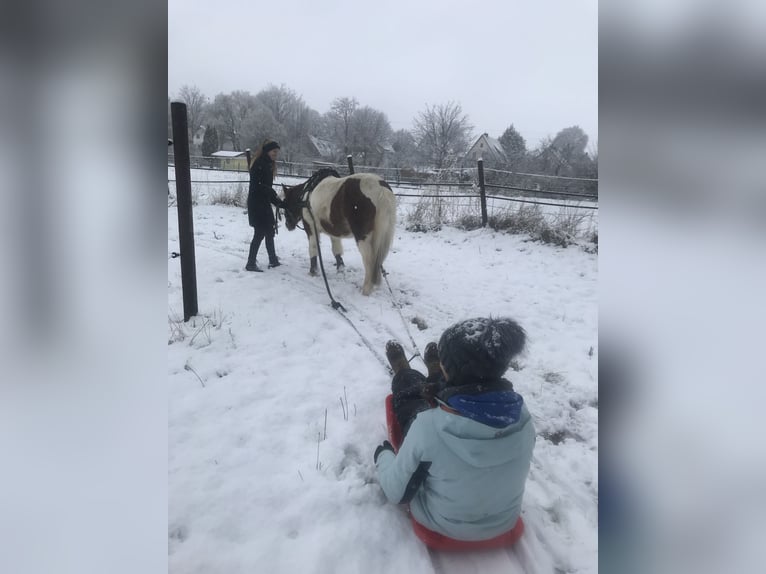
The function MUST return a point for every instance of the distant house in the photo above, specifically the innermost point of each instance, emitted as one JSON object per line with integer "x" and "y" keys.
{"x": 234, "y": 160}
{"x": 198, "y": 136}
{"x": 387, "y": 153}
{"x": 322, "y": 150}
{"x": 486, "y": 148}
{"x": 379, "y": 155}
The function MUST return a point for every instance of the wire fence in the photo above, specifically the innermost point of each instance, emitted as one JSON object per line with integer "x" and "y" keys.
{"x": 432, "y": 197}
{"x": 404, "y": 175}
{"x": 510, "y": 186}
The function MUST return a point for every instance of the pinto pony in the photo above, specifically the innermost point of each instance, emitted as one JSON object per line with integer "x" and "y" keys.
{"x": 361, "y": 205}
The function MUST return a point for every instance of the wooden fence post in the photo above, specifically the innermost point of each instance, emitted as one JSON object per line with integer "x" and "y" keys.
{"x": 350, "y": 164}
{"x": 247, "y": 155}
{"x": 482, "y": 194}
{"x": 184, "y": 203}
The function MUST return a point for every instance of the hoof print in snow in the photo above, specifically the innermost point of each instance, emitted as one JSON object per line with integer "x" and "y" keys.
{"x": 559, "y": 436}
{"x": 419, "y": 323}
{"x": 553, "y": 377}
{"x": 351, "y": 458}
{"x": 179, "y": 533}
{"x": 581, "y": 404}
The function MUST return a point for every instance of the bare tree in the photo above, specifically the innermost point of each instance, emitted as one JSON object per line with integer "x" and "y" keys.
{"x": 279, "y": 100}
{"x": 299, "y": 124}
{"x": 370, "y": 131}
{"x": 340, "y": 118}
{"x": 442, "y": 133}
{"x": 195, "y": 102}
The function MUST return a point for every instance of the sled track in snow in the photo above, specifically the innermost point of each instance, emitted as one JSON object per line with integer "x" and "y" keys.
{"x": 523, "y": 558}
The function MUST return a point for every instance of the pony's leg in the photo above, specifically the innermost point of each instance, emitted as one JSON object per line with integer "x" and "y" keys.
{"x": 312, "y": 249}
{"x": 337, "y": 250}
{"x": 365, "y": 248}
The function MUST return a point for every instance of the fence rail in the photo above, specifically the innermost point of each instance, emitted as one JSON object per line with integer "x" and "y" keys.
{"x": 543, "y": 191}
{"x": 586, "y": 189}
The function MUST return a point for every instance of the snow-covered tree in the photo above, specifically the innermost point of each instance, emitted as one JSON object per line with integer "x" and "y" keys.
{"x": 565, "y": 153}
{"x": 514, "y": 145}
{"x": 404, "y": 146}
{"x": 210, "y": 141}
{"x": 231, "y": 112}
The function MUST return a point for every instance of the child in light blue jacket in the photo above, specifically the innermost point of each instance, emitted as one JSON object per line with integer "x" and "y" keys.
{"x": 463, "y": 463}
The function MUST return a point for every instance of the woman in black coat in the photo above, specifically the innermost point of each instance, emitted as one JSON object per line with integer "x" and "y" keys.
{"x": 259, "y": 200}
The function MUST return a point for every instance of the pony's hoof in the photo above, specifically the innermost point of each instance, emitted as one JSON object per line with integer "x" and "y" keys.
{"x": 313, "y": 272}
{"x": 340, "y": 268}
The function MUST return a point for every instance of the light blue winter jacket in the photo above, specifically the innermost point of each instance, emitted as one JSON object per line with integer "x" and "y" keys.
{"x": 468, "y": 477}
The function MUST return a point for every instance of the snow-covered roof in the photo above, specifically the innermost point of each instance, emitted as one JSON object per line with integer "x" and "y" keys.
{"x": 495, "y": 144}
{"x": 492, "y": 146}
{"x": 227, "y": 154}
{"x": 325, "y": 148}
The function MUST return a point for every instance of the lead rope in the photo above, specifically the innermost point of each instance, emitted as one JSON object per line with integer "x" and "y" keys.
{"x": 338, "y": 306}
{"x": 335, "y": 304}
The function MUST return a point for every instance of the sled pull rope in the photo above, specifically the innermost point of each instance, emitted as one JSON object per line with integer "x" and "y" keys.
{"x": 369, "y": 345}
{"x": 398, "y": 308}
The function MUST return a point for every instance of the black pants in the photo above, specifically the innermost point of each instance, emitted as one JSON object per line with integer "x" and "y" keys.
{"x": 261, "y": 232}
{"x": 407, "y": 388}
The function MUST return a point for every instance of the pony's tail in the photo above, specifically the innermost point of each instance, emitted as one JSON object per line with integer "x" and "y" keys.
{"x": 385, "y": 224}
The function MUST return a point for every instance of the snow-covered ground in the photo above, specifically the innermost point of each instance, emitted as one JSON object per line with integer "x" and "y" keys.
{"x": 254, "y": 483}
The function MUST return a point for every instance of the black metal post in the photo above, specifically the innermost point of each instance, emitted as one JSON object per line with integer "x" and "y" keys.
{"x": 482, "y": 194}
{"x": 247, "y": 155}
{"x": 350, "y": 164}
{"x": 184, "y": 202}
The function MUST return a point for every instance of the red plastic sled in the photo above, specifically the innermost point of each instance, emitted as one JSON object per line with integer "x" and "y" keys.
{"x": 437, "y": 541}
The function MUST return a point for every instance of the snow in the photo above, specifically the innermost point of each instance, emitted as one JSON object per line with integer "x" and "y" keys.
{"x": 254, "y": 483}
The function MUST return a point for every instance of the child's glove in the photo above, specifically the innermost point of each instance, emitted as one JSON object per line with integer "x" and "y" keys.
{"x": 381, "y": 447}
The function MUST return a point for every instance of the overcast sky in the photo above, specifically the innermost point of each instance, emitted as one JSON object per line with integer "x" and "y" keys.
{"x": 530, "y": 63}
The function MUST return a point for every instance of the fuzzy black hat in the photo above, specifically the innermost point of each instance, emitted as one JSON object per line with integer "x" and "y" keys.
{"x": 480, "y": 349}
{"x": 267, "y": 147}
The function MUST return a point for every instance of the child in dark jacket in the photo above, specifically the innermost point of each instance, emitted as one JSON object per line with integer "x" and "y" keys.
{"x": 468, "y": 436}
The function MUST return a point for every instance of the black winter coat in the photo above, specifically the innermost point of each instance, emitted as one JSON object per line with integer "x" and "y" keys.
{"x": 261, "y": 194}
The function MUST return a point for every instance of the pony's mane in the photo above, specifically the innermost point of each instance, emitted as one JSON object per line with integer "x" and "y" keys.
{"x": 318, "y": 176}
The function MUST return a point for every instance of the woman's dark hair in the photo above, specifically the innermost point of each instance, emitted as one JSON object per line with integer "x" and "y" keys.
{"x": 265, "y": 147}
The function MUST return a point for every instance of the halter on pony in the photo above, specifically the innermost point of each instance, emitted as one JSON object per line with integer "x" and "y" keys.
{"x": 308, "y": 187}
